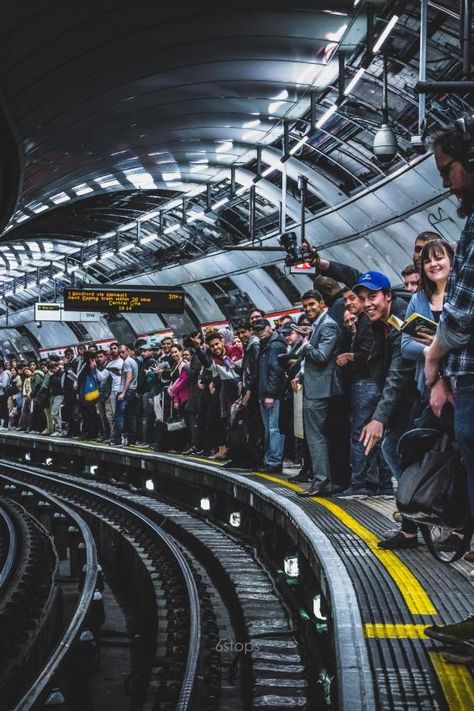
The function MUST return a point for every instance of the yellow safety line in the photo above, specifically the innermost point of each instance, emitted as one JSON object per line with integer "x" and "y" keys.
{"x": 416, "y": 598}
{"x": 398, "y": 631}
{"x": 456, "y": 681}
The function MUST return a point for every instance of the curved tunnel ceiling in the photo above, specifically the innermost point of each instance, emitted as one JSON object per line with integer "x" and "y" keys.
{"x": 137, "y": 130}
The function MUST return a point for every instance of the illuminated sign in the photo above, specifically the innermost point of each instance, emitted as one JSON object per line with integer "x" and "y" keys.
{"x": 55, "y": 312}
{"x": 130, "y": 299}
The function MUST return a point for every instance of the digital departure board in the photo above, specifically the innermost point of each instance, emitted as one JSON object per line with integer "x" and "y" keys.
{"x": 130, "y": 299}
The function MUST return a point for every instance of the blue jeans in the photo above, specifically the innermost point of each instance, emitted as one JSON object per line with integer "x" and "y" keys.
{"x": 274, "y": 440}
{"x": 367, "y": 472}
{"x": 464, "y": 432}
{"x": 399, "y": 426}
{"x": 125, "y": 417}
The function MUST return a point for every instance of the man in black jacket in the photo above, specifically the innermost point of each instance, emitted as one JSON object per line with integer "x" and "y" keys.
{"x": 271, "y": 386}
{"x": 369, "y": 474}
{"x": 394, "y": 376}
{"x": 250, "y": 401}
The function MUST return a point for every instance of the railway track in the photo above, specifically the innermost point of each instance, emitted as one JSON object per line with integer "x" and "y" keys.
{"x": 215, "y": 633}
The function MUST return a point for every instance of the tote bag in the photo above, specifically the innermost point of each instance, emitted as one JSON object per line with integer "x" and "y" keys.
{"x": 90, "y": 389}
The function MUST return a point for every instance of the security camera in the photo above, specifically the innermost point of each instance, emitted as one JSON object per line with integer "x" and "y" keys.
{"x": 385, "y": 144}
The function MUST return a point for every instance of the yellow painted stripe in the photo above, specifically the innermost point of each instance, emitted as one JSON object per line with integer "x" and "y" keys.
{"x": 416, "y": 598}
{"x": 456, "y": 681}
{"x": 395, "y": 631}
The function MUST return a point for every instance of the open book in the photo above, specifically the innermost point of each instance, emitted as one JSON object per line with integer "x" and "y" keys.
{"x": 414, "y": 324}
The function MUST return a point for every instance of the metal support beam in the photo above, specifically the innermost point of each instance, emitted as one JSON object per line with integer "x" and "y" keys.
{"x": 184, "y": 205}
{"x": 286, "y": 140}
{"x": 385, "y": 90}
{"x": 259, "y": 162}
{"x": 422, "y": 69}
{"x": 252, "y": 213}
{"x": 438, "y": 87}
{"x": 313, "y": 117}
{"x": 302, "y": 185}
{"x": 208, "y": 196}
{"x": 466, "y": 36}
{"x": 232, "y": 179}
{"x": 341, "y": 79}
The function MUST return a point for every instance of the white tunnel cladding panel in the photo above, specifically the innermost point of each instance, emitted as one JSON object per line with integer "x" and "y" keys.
{"x": 263, "y": 291}
{"x": 202, "y": 304}
{"x": 98, "y": 330}
{"x": 144, "y": 323}
{"x": 52, "y": 334}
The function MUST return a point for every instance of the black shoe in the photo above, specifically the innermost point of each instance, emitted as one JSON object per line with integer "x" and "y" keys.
{"x": 458, "y": 633}
{"x": 189, "y": 450}
{"x": 303, "y": 476}
{"x": 398, "y": 541}
{"x": 315, "y": 490}
{"x": 270, "y": 470}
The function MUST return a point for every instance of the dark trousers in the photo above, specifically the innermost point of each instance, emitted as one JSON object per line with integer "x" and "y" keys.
{"x": 371, "y": 471}
{"x": 126, "y": 417}
{"x": 464, "y": 432}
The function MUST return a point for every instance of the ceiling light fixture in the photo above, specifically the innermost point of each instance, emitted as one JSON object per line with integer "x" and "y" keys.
{"x": 389, "y": 27}
{"x": 326, "y": 116}
{"x": 354, "y": 81}
{"x": 298, "y": 145}
{"x": 219, "y": 203}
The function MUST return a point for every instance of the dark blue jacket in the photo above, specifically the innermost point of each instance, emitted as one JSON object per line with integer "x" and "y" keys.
{"x": 271, "y": 376}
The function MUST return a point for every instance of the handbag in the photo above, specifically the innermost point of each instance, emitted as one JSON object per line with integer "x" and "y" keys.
{"x": 433, "y": 492}
{"x": 90, "y": 389}
{"x": 175, "y": 424}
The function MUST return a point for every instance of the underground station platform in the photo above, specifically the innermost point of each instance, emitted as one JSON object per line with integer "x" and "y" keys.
{"x": 374, "y": 604}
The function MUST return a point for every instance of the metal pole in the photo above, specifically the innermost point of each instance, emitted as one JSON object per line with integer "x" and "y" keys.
{"x": 466, "y": 30}
{"x": 252, "y": 213}
{"x": 422, "y": 70}
{"x": 283, "y": 197}
{"x": 385, "y": 91}
{"x": 302, "y": 182}
{"x": 439, "y": 87}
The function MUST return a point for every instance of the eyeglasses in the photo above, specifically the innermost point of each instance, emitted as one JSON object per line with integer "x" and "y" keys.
{"x": 445, "y": 170}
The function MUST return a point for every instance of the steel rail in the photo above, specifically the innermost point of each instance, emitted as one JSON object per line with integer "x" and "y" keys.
{"x": 7, "y": 568}
{"x": 194, "y": 642}
{"x": 73, "y": 630}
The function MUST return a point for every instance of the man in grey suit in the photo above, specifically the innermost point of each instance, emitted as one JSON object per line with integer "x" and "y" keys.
{"x": 320, "y": 378}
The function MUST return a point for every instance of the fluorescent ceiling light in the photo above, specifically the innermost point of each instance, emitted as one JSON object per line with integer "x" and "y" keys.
{"x": 240, "y": 190}
{"x": 22, "y": 218}
{"x": 251, "y": 136}
{"x": 201, "y": 168}
{"x": 327, "y": 115}
{"x": 389, "y": 27}
{"x": 58, "y": 275}
{"x": 355, "y": 80}
{"x": 281, "y": 96}
{"x": 148, "y": 238}
{"x": 89, "y": 261}
{"x": 73, "y": 268}
{"x": 251, "y": 124}
{"x": 59, "y": 198}
{"x": 127, "y": 247}
{"x": 175, "y": 175}
{"x": 107, "y": 254}
{"x": 44, "y": 280}
{"x": 298, "y": 145}
{"x": 171, "y": 228}
{"x": 107, "y": 181}
{"x": 225, "y": 146}
{"x": 41, "y": 207}
{"x": 268, "y": 171}
{"x": 82, "y": 189}
{"x": 141, "y": 180}
{"x": 220, "y": 203}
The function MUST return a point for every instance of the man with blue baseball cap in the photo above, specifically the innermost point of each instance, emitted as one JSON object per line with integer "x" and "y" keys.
{"x": 395, "y": 378}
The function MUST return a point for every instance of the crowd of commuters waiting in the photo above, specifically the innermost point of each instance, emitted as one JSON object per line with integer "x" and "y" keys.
{"x": 333, "y": 389}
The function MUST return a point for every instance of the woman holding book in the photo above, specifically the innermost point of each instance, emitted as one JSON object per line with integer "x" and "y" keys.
{"x": 436, "y": 261}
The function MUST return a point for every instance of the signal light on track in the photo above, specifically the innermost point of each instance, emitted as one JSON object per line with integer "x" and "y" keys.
{"x": 291, "y": 566}
{"x": 206, "y": 503}
{"x": 149, "y": 485}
